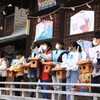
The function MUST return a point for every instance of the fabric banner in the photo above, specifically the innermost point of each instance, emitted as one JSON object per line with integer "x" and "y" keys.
{"x": 44, "y": 30}
{"x": 82, "y": 22}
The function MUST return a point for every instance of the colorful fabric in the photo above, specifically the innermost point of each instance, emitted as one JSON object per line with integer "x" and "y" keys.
{"x": 84, "y": 78}
{"x": 18, "y": 68}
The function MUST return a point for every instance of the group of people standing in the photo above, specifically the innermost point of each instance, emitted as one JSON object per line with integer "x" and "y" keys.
{"x": 61, "y": 58}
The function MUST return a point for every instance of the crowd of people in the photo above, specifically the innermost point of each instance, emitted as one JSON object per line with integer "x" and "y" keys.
{"x": 60, "y": 57}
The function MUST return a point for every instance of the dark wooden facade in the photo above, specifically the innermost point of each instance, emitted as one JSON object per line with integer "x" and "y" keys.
{"x": 61, "y": 28}
{"x": 9, "y": 25}
{"x": 13, "y": 24}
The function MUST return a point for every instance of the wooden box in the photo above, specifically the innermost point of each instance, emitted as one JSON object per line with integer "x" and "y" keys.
{"x": 11, "y": 74}
{"x": 34, "y": 62}
{"x": 48, "y": 66}
{"x": 85, "y": 66}
{"x": 60, "y": 72}
{"x": 26, "y": 68}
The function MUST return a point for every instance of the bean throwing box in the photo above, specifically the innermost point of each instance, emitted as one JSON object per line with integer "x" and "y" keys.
{"x": 60, "y": 72}
{"x": 85, "y": 66}
{"x": 11, "y": 73}
{"x": 26, "y": 68}
{"x": 48, "y": 66}
{"x": 35, "y": 62}
{"x": 86, "y": 69}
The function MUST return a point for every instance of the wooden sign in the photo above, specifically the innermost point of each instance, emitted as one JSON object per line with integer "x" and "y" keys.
{"x": 44, "y": 4}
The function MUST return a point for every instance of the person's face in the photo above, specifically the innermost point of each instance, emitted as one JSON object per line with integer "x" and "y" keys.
{"x": 58, "y": 46}
{"x": 18, "y": 56}
{"x": 96, "y": 41}
{"x": 73, "y": 48}
{"x": 45, "y": 47}
{"x": 70, "y": 48}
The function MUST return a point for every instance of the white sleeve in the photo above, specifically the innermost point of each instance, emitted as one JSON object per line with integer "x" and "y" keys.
{"x": 73, "y": 66}
{"x": 64, "y": 58}
{"x": 64, "y": 61}
{"x": 11, "y": 68}
{"x": 3, "y": 65}
{"x": 45, "y": 56}
{"x": 40, "y": 49}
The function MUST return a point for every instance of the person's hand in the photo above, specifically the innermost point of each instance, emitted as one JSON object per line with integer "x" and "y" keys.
{"x": 57, "y": 65}
{"x": 40, "y": 50}
{"x": 26, "y": 64}
{"x": 7, "y": 69}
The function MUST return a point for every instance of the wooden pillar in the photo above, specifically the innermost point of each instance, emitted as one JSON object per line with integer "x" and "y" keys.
{"x": 61, "y": 25}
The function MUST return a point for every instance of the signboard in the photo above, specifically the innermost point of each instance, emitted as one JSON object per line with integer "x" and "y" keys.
{"x": 20, "y": 20}
{"x": 44, "y": 30}
{"x": 82, "y": 22}
{"x": 44, "y": 4}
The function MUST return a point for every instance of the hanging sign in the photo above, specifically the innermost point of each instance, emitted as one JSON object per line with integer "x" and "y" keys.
{"x": 44, "y": 4}
{"x": 82, "y": 22}
{"x": 44, "y": 30}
